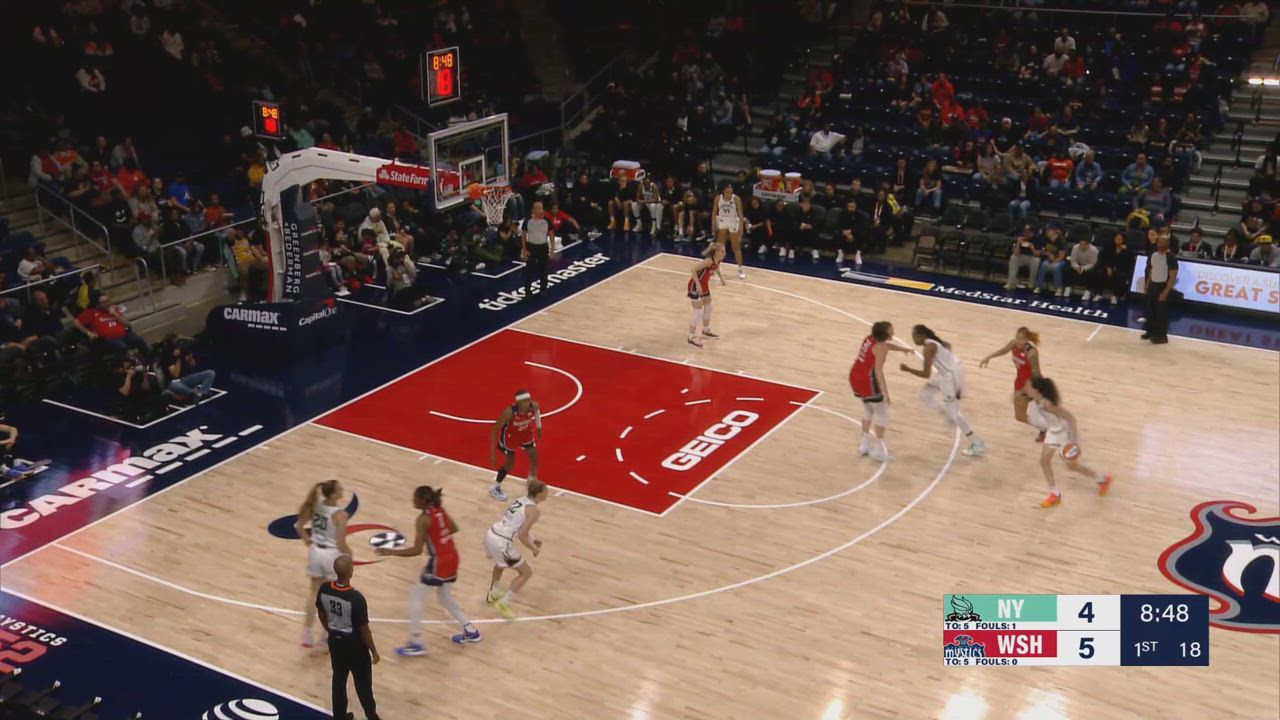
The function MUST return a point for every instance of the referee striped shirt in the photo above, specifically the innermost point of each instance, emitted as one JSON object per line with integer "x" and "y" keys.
{"x": 537, "y": 230}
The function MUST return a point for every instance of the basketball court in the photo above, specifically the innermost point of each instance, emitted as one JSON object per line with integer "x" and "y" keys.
{"x": 773, "y": 573}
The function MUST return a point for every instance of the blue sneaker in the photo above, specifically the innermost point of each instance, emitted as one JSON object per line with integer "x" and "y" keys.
{"x": 496, "y": 492}
{"x": 467, "y": 636}
{"x": 411, "y": 649}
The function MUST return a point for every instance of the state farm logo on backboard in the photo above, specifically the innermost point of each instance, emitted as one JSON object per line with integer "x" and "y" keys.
{"x": 410, "y": 176}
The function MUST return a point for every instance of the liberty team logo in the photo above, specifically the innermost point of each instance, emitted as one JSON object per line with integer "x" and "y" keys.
{"x": 963, "y": 646}
{"x": 962, "y": 610}
{"x": 1233, "y": 559}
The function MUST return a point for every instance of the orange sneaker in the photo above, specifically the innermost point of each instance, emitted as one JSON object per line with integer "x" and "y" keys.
{"x": 1105, "y": 486}
{"x": 1053, "y": 499}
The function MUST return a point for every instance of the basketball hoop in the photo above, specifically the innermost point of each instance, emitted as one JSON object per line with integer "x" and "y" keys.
{"x": 493, "y": 199}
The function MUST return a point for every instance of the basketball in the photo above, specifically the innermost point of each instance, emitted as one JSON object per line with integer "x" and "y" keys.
{"x": 475, "y": 190}
{"x": 1070, "y": 451}
{"x": 389, "y": 540}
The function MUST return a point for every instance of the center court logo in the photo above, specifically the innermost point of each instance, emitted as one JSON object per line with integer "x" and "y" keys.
{"x": 711, "y": 439}
{"x": 286, "y": 528}
{"x": 577, "y": 267}
{"x": 246, "y": 709}
{"x": 1233, "y": 559}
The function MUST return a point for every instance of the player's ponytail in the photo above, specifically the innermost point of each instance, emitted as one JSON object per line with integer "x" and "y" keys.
{"x": 930, "y": 335}
{"x": 428, "y": 496}
{"x": 1029, "y": 334}
{"x": 309, "y": 503}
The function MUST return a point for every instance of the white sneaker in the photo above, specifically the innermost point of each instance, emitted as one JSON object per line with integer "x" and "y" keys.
{"x": 342, "y": 292}
{"x": 1086, "y": 296}
{"x": 1115, "y": 300}
{"x": 742, "y": 274}
{"x": 762, "y": 249}
{"x": 879, "y": 456}
{"x": 839, "y": 257}
{"x": 782, "y": 252}
{"x": 815, "y": 254}
{"x": 857, "y": 258}
{"x": 791, "y": 254}
{"x": 1056, "y": 293}
{"x": 480, "y": 266}
{"x": 864, "y": 448}
{"x": 975, "y": 449}
{"x": 496, "y": 492}
{"x": 1037, "y": 290}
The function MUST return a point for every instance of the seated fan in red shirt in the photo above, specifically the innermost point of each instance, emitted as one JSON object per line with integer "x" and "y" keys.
{"x": 106, "y": 324}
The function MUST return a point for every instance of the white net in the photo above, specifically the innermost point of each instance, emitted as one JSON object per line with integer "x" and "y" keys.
{"x": 494, "y": 201}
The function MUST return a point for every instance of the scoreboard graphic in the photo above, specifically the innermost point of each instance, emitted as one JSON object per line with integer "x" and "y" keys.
{"x": 1141, "y": 630}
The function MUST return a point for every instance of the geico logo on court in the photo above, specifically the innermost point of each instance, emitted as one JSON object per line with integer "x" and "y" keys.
{"x": 709, "y": 441}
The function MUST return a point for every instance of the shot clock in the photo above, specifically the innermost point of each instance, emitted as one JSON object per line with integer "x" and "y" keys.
{"x": 268, "y": 121}
{"x": 442, "y": 75}
{"x": 1013, "y": 630}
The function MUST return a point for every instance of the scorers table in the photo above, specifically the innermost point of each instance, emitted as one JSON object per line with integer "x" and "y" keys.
{"x": 1075, "y": 630}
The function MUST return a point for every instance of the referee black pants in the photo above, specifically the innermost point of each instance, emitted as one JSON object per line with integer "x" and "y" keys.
{"x": 351, "y": 657}
{"x": 1157, "y": 311}
{"x": 536, "y": 266}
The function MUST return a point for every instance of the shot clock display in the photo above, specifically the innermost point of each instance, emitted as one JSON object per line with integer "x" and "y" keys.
{"x": 1075, "y": 630}
{"x": 268, "y": 121}
{"x": 443, "y": 73}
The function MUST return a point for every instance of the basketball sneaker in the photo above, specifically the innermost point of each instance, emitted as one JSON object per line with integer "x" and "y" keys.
{"x": 975, "y": 449}
{"x": 879, "y": 456}
{"x": 467, "y": 636}
{"x": 839, "y": 257}
{"x": 706, "y": 333}
{"x": 1104, "y": 487}
{"x": 857, "y": 259}
{"x": 1053, "y": 499}
{"x": 742, "y": 274}
{"x": 694, "y": 341}
{"x": 502, "y": 607}
{"x": 411, "y": 649}
{"x": 496, "y": 492}
{"x": 864, "y": 447}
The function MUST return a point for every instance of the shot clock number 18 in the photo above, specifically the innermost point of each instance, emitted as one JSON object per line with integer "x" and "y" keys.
{"x": 443, "y": 72}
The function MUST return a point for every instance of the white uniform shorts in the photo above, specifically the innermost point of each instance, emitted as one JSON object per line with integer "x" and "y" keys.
{"x": 1054, "y": 436}
{"x": 320, "y": 562}
{"x": 502, "y": 551}
{"x": 731, "y": 224}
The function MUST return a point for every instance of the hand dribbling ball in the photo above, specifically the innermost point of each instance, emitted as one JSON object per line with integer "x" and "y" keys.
{"x": 1070, "y": 452}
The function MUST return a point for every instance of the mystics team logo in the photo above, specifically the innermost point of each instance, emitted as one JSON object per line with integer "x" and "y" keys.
{"x": 962, "y": 610}
{"x": 285, "y": 528}
{"x": 963, "y": 646}
{"x": 1234, "y": 560}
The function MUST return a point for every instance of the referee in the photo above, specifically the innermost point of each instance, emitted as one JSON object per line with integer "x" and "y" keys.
{"x": 535, "y": 248}
{"x": 345, "y": 614}
{"x": 1161, "y": 276}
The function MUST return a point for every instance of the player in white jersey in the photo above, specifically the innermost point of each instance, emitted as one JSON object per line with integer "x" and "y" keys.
{"x": 326, "y": 539}
{"x": 500, "y": 543}
{"x": 945, "y": 387}
{"x": 648, "y": 197}
{"x": 1062, "y": 437}
{"x": 728, "y": 223}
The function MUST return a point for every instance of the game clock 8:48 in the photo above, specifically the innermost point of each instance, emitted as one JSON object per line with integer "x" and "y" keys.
{"x": 1164, "y": 630}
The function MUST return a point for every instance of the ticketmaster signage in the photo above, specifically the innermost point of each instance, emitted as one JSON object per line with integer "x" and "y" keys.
{"x": 577, "y": 267}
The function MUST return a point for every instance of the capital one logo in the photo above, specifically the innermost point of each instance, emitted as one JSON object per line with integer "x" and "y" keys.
{"x": 1233, "y": 559}
{"x": 711, "y": 440}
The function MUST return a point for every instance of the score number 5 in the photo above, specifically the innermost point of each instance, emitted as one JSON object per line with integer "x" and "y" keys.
{"x": 15, "y": 650}
{"x": 1086, "y": 643}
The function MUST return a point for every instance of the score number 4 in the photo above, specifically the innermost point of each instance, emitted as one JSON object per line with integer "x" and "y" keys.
{"x": 15, "y": 650}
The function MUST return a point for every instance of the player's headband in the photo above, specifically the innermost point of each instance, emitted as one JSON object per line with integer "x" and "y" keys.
{"x": 523, "y": 396}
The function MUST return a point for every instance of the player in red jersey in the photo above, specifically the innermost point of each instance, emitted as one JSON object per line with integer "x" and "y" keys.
{"x": 434, "y": 530}
{"x": 866, "y": 377}
{"x": 1026, "y": 363}
{"x": 519, "y": 426}
{"x": 699, "y": 292}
